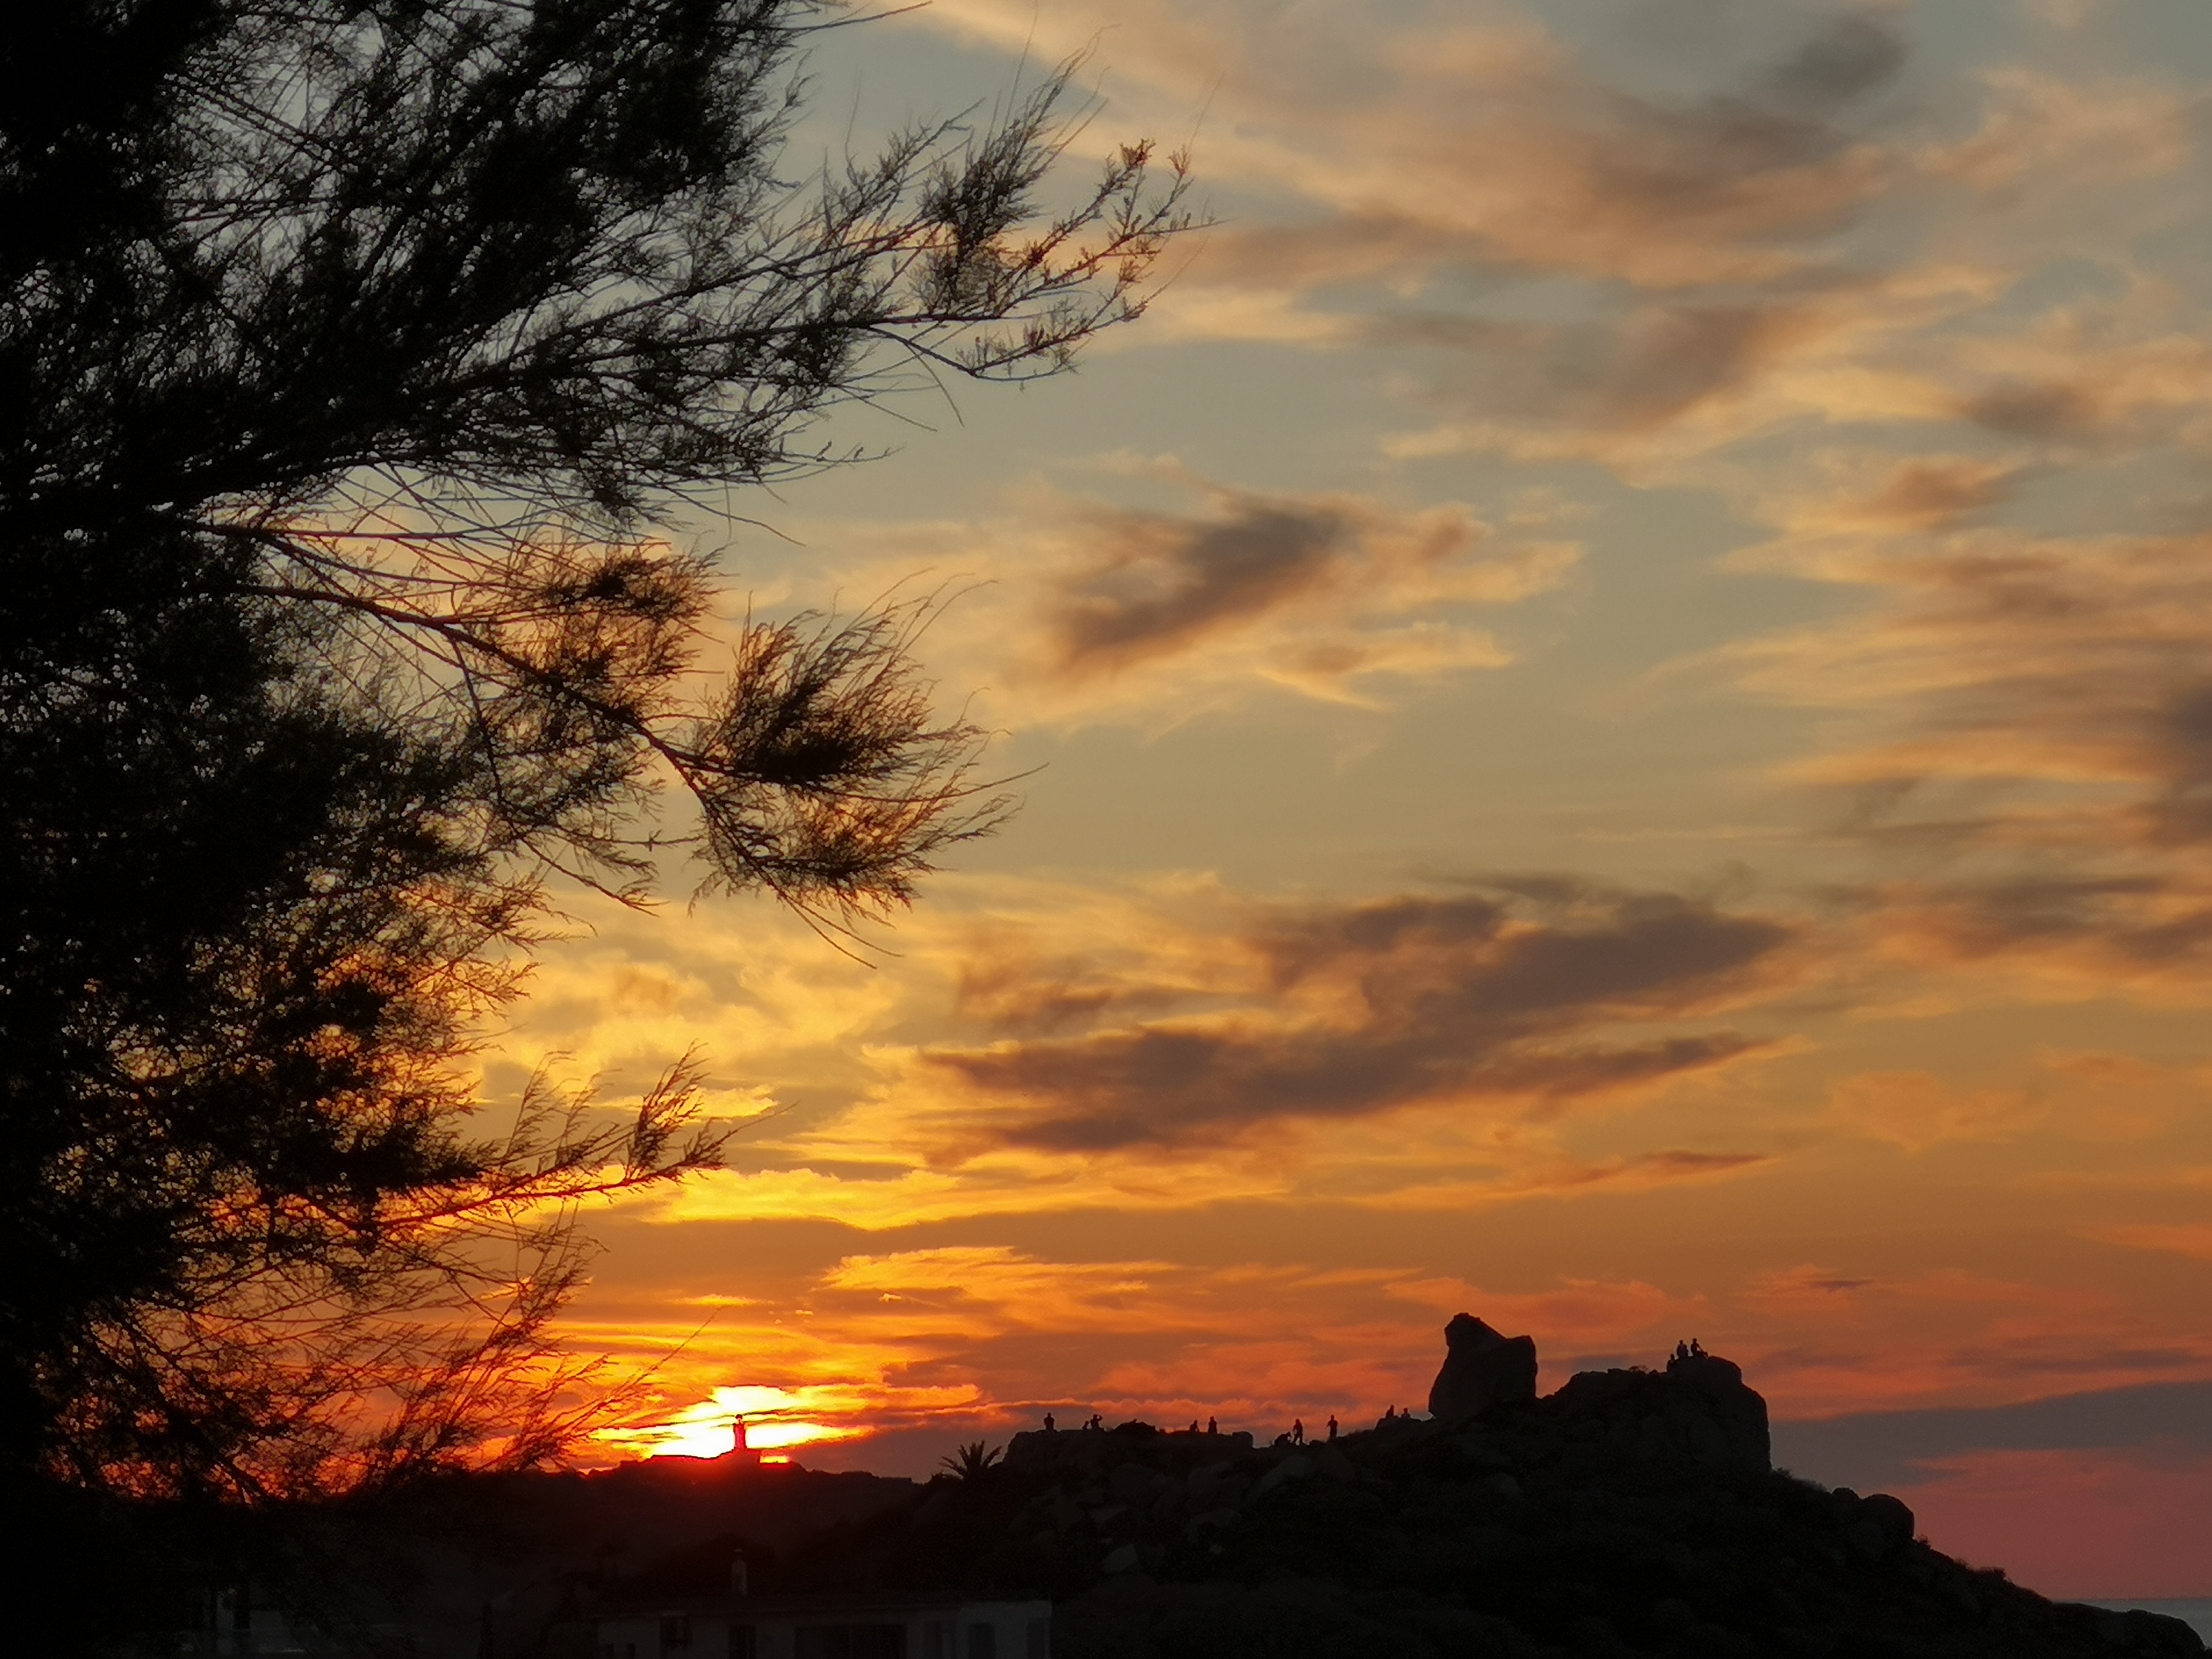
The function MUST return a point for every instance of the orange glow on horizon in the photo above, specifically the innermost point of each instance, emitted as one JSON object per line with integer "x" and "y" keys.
{"x": 775, "y": 1419}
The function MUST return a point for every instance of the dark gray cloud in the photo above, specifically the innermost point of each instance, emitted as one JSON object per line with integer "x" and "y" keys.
{"x": 1876, "y": 1450}
{"x": 1633, "y": 370}
{"x": 2048, "y": 697}
{"x": 1012, "y": 991}
{"x": 2035, "y": 408}
{"x": 1422, "y": 999}
{"x": 1849, "y": 57}
{"x": 2180, "y": 739}
{"x": 1791, "y": 115}
{"x": 1313, "y": 590}
{"x": 2142, "y": 922}
{"x": 1162, "y": 583}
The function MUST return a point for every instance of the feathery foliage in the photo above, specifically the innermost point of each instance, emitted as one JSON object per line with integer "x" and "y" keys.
{"x": 351, "y": 351}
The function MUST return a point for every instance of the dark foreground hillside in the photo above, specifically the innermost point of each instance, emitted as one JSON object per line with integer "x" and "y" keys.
{"x": 1630, "y": 1512}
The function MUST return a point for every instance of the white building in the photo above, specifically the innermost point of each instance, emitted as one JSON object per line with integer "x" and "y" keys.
{"x": 825, "y": 1627}
{"x": 235, "y": 1624}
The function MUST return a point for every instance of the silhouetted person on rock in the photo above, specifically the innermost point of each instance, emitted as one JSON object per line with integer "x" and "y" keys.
{"x": 1332, "y": 1425}
{"x": 1096, "y": 1422}
{"x": 1696, "y": 1349}
{"x": 1297, "y": 1432}
{"x": 1048, "y": 1422}
{"x": 1210, "y": 1427}
{"x": 1193, "y": 1426}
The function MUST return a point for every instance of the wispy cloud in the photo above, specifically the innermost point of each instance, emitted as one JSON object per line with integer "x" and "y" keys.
{"x": 2023, "y": 734}
{"x": 1314, "y": 592}
{"x": 1769, "y": 218}
{"x": 1475, "y": 134}
{"x": 1075, "y": 609}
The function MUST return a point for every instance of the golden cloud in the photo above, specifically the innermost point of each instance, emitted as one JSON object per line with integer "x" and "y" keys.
{"x": 1038, "y": 1046}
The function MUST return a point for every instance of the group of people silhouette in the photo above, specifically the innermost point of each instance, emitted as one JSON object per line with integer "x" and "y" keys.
{"x": 1296, "y": 1434}
{"x": 1098, "y": 1423}
{"x": 1692, "y": 1349}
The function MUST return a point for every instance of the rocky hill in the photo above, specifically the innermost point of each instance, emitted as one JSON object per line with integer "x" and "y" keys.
{"x": 1630, "y": 1512}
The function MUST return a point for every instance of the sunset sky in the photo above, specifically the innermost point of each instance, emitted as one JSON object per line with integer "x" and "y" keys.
{"x": 1618, "y": 686}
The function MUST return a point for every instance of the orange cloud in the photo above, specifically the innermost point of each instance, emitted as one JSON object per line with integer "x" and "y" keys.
{"x": 1917, "y": 1110}
{"x": 1804, "y": 1289}
{"x": 912, "y": 1348}
{"x": 776, "y": 1419}
{"x": 1930, "y": 490}
{"x": 2189, "y": 1238}
{"x": 1945, "y": 1336}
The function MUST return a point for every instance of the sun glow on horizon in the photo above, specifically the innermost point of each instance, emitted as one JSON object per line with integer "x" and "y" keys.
{"x": 776, "y": 1419}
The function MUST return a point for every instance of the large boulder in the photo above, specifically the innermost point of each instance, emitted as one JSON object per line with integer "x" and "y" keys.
{"x": 1735, "y": 1408}
{"x": 1698, "y": 1409}
{"x": 1482, "y": 1368}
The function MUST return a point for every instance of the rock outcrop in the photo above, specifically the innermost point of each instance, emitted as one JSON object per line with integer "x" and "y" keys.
{"x": 1482, "y": 1368}
{"x": 1698, "y": 1410}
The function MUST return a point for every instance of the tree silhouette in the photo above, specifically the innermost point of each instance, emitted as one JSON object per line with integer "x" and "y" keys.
{"x": 968, "y": 1461}
{"x": 430, "y": 305}
{"x": 351, "y": 351}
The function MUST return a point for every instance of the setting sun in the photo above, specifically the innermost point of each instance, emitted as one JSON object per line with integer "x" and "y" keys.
{"x": 776, "y": 1420}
